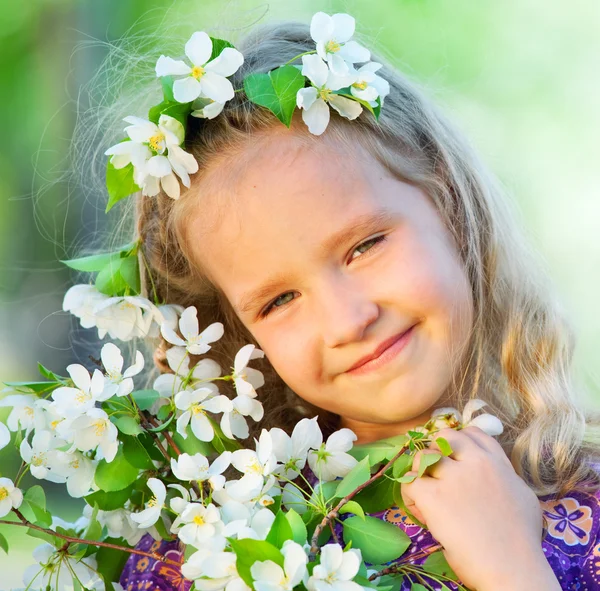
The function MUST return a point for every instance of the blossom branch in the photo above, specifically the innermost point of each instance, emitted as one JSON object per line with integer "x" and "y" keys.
{"x": 314, "y": 546}
{"x": 72, "y": 540}
{"x": 394, "y": 568}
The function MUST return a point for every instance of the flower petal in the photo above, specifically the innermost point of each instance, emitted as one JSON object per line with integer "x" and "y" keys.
{"x": 315, "y": 69}
{"x": 317, "y": 117}
{"x": 167, "y": 66}
{"x": 472, "y": 406}
{"x": 321, "y": 27}
{"x": 188, "y": 323}
{"x": 343, "y": 26}
{"x": 354, "y": 52}
{"x": 306, "y": 97}
{"x": 488, "y": 424}
{"x": 158, "y": 166}
{"x": 345, "y": 106}
{"x": 227, "y": 63}
{"x": 170, "y": 186}
{"x": 199, "y": 48}
{"x": 216, "y": 87}
{"x": 186, "y": 90}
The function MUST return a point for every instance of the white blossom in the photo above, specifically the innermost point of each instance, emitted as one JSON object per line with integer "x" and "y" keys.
{"x": 43, "y": 457}
{"x": 151, "y": 514}
{"x": 269, "y": 576}
{"x": 95, "y": 430}
{"x": 73, "y": 401}
{"x": 205, "y": 108}
{"x": 315, "y": 99}
{"x": 10, "y": 496}
{"x": 56, "y": 570}
{"x": 487, "y": 423}
{"x": 205, "y": 370}
{"x": 81, "y": 300}
{"x": 195, "y": 405}
{"x": 219, "y": 569}
{"x": 233, "y": 422}
{"x": 79, "y": 471}
{"x": 4, "y": 436}
{"x": 330, "y": 460}
{"x": 194, "y": 341}
{"x": 200, "y": 526}
{"x": 196, "y": 467}
{"x": 368, "y": 85}
{"x": 332, "y": 35}
{"x": 247, "y": 379}
{"x": 124, "y": 317}
{"x": 203, "y": 78}
{"x": 164, "y": 314}
{"x": 23, "y": 412}
{"x": 291, "y": 452}
{"x": 117, "y": 382}
{"x": 336, "y": 570}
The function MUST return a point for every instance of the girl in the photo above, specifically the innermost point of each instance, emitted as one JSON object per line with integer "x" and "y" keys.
{"x": 379, "y": 269}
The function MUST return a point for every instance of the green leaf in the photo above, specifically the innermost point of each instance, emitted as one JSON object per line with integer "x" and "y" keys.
{"x": 377, "y": 496}
{"x": 137, "y": 454}
{"x": 357, "y": 476}
{"x": 90, "y": 264}
{"x": 353, "y": 507}
{"x": 276, "y": 91}
{"x": 42, "y": 535}
{"x": 93, "y": 531}
{"x": 444, "y": 446}
{"x": 36, "y": 496}
{"x": 167, "y": 85}
{"x": 406, "y": 478}
{"x": 218, "y": 45}
{"x": 250, "y": 551}
{"x": 280, "y": 531}
{"x": 179, "y": 111}
{"x": 111, "y": 561}
{"x": 110, "y": 281}
{"x": 4, "y": 544}
{"x": 428, "y": 460}
{"x": 378, "y": 541}
{"x": 163, "y": 426}
{"x": 119, "y": 183}
{"x": 33, "y": 387}
{"x": 378, "y": 451}
{"x": 437, "y": 564}
{"x": 402, "y": 465}
{"x": 191, "y": 444}
{"x": 130, "y": 271}
{"x": 145, "y": 398}
{"x": 417, "y": 587}
{"x": 299, "y": 532}
{"x": 127, "y": 424}
{"x": 109, "y": 501}
{"x": 50, "y": 375}
{"x": 117, "y": 475}
{"x": 399, "y": 500}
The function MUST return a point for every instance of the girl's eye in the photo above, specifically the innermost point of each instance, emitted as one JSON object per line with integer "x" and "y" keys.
{"x": 278, "y": 302}
{"x": 367, "y": 245}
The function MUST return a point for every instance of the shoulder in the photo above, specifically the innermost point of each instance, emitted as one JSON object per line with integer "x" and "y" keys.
{"x": 571, "y": 537}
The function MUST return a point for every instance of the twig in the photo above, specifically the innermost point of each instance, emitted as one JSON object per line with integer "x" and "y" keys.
{"x": 72, "y": 540}
{"x": 393, "y": 568}
{"x": 314, "y": 547}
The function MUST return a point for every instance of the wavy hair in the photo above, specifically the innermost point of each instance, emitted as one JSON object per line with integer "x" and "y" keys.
{"x": 520, "y": 354}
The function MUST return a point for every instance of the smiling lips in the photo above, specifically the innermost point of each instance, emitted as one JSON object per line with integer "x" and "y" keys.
{"x": 384, "y": 352}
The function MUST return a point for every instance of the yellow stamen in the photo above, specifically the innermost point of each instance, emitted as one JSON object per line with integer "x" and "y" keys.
{"x": 198, "y": 520}
{"x": 332, "y": 46}
{"x": 75, "y": 464}
{"x": 323, "y": 93}
{"x": 55, "y": 424}
{"x": 81, "y": 397}
{"x": 38, "y": 459}
{"x": 100, "y": 428}
{"x": 198, "y": 72}
{"x": 29, "y": 411}
{"x": 155, "y": 142}
{"x": 360, "y": 85}
{"x": 3, "y": 493}
{"x": 197, "y": 409}
{"x": 153, "y": 502}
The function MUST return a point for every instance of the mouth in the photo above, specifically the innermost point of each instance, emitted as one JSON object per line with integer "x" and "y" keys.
{"x": 385, "y": 352}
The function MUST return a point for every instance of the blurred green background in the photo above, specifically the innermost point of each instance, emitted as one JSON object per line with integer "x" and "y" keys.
{"x": 520, "y": 76}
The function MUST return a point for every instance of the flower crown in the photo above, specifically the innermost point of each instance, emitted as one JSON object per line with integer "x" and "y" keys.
{"x": 152, "y": 157}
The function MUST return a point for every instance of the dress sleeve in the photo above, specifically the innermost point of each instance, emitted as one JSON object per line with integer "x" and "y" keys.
{"x": 572, "y": 539}
{"x": 142, "y": 573}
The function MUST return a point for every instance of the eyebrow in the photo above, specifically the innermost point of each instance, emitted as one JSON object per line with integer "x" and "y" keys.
{"x": 362, "y": 224}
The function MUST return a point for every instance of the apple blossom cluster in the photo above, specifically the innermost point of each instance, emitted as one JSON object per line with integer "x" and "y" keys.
{"x": 152, "y": 157}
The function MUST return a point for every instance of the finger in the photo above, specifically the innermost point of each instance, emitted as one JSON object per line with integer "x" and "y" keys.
{"x": 486, "y": 441}
{"x": 436, "y": 470}
{"x": 462, "y": 445}
{"x": 408, "y": 499}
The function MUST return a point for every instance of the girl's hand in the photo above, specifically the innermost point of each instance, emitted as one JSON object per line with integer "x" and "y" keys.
{"x": 483, "y": 514}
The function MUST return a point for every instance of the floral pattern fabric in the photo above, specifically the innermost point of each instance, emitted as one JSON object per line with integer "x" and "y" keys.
{"x": 571, "y": 544}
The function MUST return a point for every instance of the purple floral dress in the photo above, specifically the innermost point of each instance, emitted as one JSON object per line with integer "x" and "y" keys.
{"x": 571, "y": 544}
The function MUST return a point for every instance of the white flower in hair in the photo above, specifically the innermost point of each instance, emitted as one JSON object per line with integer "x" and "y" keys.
{"x": 10, "y": 496}
{"x": 269, "y": 576}
{"x": 332, "y": 35}
{"x": 195, "y": 342}
{"x": 486, "y": 422}
{"x": 150, "y": 515}
{"x": 195, "y": 405}
{"x": 330, "y": 459}
{"x": 246, "y": 379}
{"x": 115, "y": 382}
{"x": 156, "y": 155}
{"x": 205, "y": 108}
{"x": 203, "y": 78}
{"x": 369, "y": 86}
{"x": 314, "y": 100}
{"x": 81, "y": 301}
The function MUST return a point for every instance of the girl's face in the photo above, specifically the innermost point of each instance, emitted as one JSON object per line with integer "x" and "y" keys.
{"x": 328, "y": 260}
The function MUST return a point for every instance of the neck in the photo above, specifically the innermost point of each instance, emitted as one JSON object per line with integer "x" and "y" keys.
{"x": 368, "y": 432}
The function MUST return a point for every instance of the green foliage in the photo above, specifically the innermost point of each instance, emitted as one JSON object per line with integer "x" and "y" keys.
{"x": 281, "y": 530}
{"x": 427, "y": 460}
{"x": 144, "y": 399}
{"x": 140, "y": 451}
{"x": 355, "y": 478}
{"x": 250, "y": 551}
{"x": 379, "y": 451}
{"x": 276, "y": 91}
{"x": 298, "y": 527}
{"x": 127, "y": 424}
{"x": 218, "y": 45}
{"x": 437, "y": 564}
{"x": 444, "y": 446}
{"x": 378, "y": 541}
{"x": 111, "y": 562}
{"x": 109, "y": 501}
{"x": 377, "y": 496}
{"x": 115, "y": 475}
{"x": 4, "y": 544}
{"x": 353, "y": 507}
{"x": 119, "y": 184}
{"x": 402, "y": 465}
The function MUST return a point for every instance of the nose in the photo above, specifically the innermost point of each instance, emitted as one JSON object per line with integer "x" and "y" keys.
{"x": 345, "y": 311}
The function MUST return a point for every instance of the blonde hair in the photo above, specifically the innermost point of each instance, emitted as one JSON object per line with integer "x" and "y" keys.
{"x": 521, "y": 348}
